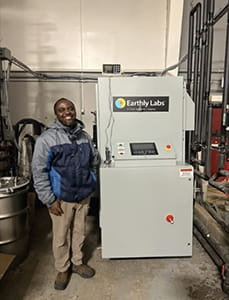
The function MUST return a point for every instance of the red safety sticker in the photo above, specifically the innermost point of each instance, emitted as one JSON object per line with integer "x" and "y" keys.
{"x": 186, "y": 172}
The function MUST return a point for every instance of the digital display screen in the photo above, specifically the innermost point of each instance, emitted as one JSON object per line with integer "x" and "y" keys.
{"x": 111, "y": 68}
{"x": 143, "y": 149}
{"x": 108, "y": 68}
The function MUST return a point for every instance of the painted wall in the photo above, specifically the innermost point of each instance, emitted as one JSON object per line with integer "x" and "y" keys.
{"x": 81, "y": 35}
{"x": 84, "y": 34}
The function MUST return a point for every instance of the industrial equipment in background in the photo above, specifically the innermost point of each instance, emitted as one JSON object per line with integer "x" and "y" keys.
{"x": 13, "y": 188}
{"x": 209, "y": 143}
{"x": 16, "y": 148}
{"x": 146, "y": 188}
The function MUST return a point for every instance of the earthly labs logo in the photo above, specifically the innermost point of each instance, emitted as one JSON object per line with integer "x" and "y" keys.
{"x": 143, "y": 104}
{"x": 120, "y": 103}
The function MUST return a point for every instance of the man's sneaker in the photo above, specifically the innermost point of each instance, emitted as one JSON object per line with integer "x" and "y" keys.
{"x": 62, "y": 280}
{"x": 83, "y": 270}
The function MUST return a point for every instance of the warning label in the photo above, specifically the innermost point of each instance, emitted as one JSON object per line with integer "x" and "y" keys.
{"x": 186, "y": 172}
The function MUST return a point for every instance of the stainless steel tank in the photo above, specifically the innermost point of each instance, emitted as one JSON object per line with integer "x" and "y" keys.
{"x": 14, "y": 217}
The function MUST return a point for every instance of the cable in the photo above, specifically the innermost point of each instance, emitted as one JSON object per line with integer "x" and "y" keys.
{"x": 184, "y": 58}
{"x": 43, "y": 76}
{"x": 110, "y": 124}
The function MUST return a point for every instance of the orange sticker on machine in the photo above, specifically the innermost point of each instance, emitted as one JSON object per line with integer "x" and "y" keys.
{"x": 186, "y": 172}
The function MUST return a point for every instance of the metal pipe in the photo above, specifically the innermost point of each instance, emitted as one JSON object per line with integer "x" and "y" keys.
{"x": 220, "y": 187}
{"x": 190, "y": 45}
{"x": 197, "y": 161}
{"x": 206, "y": 112}
{"x": 207, "y": 68}
{"x": 197, "y": 52}
{"x": 212, "y": 231}
{"x": 225, "y": 102}
{"x": 207, "y": 169}
{"x": 189, "y": 80}
{"x": 202, "y": 70}
{"x": 221, "y": 157}
{"x": 220, "y": 14}
{"x": 214, "y": 256}
{"x": 224, "y": 173}
{"x": 210, "y": 46}
{"x": 207, "y": 118}
{"x": 209, "y": 41}
{"x": 1, "y": 102}
{"x": 201, "y": 175}
{"x": 196, "y": 65}
{"x": 216, "y": 238}
{"x": 213, "y": 212}
{"x": 196, "y": 11}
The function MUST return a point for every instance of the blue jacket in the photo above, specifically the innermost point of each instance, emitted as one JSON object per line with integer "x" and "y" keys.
{"x": 62, "y": 164}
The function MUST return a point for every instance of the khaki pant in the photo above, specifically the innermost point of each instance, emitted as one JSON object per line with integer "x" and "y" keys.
{"x": 69, "y": 234}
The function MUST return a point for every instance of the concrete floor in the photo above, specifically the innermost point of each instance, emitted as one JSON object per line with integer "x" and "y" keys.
{"x": 116, "y": 279}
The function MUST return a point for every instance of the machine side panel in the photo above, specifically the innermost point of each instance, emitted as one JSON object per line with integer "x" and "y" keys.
{"x": 189, "y": 112}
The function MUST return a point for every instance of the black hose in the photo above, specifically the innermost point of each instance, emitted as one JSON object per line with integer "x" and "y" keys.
{"x": 20, "y": 125}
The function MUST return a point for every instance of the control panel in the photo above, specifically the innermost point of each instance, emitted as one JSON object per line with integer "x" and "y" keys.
{"x": 144, "y": 150}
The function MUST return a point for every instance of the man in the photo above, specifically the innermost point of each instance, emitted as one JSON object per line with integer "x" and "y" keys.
{"x": 62, "y": 168}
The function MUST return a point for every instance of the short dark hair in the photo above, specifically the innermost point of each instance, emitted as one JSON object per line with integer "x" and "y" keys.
{"x": 60, "y": 100}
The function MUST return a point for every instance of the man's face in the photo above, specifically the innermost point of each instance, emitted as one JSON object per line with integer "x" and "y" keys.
{"x": 66, "y": 113}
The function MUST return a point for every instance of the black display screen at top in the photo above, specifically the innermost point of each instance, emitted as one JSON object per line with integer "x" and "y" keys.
{"x": 143, "y": 149}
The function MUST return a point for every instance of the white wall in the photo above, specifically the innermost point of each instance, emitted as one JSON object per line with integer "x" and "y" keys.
{"x": 84, "y": 34}
{"x": 35, "y": 100}
{"x": 81, "y": 35}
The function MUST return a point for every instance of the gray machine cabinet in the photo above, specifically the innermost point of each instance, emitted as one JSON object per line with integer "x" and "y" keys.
{"x": 145, "y": 182}
{"x": 135, "y": 203}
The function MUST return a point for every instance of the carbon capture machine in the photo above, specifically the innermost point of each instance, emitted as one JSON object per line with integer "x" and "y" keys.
{"x": 146, "y": 188}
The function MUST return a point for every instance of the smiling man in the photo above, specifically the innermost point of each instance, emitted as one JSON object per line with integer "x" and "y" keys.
{"x": 62, "y": 167}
